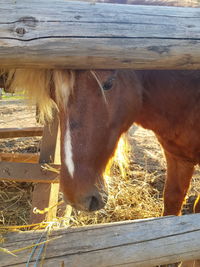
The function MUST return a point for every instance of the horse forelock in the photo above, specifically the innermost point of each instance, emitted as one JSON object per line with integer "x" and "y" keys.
{"x": 64, "y": 83}
{"x": 99, "y": 83}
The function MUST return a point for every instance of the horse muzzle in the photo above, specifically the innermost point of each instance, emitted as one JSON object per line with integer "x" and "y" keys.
{"x": 94, "y": 202}
{"x": 91, "y": 202}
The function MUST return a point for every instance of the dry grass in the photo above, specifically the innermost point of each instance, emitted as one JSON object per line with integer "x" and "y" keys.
{"x": 15, "y": 198}
{"x": 15, "y": 203}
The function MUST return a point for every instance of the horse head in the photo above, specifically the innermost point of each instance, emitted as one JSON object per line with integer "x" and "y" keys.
{"x": 95, "y": 108}
{"x": 101, "y": 106}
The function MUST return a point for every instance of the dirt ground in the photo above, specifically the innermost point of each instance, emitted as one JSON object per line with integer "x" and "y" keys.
{"x": 139, "y": 194}
{"x": 16, "y": 113}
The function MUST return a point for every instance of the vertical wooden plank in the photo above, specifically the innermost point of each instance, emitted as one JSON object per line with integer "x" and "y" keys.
{"x": 46, "y": 195}
{"x": 64, "y": 212}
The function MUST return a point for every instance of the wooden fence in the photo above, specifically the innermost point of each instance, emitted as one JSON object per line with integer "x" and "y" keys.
{"x": 35, "y": 168}
{"x": 79, "y": 35}
{"x": 138, "y": 243}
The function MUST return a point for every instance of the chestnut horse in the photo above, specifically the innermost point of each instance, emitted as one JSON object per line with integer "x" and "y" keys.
{"x": 104, "y": 104}
{"x": 96, "y": 107}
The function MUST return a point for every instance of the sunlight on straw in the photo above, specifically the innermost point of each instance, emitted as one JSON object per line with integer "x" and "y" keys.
{"x": 120, "y": 158}
{"x": 50, "y": 168}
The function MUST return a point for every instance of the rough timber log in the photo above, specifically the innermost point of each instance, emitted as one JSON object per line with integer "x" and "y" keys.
{"x": 19, "y": 157}
{"x": 29, "y": 172}
{"x": 139, "y": 243}
{"x": 20, "y": 132}
{"x": 58, "y": 33}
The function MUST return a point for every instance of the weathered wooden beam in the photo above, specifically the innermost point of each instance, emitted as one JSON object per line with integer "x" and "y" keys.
{"x": 20, "y": 132}
{"x": 79, "y": 35}
{"x": 19, "y": 157}
{"x": 139, "y": 243}
{"x": 181, "y": 3}
{"x": 28, "y": 172}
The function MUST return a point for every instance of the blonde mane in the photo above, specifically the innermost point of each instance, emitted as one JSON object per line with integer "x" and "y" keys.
{"x": 41, "y": 86}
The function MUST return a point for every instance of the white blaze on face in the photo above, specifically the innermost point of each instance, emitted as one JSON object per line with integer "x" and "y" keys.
{"x": 68, "y": 151}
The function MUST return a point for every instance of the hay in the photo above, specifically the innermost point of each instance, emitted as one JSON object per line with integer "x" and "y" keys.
{"x": 15, "y": 203}
{"x": 15, "y": 198}
{"x": 132, "y": 194}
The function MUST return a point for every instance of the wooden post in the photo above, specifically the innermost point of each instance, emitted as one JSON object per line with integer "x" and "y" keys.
{"x": 46, "y": 195}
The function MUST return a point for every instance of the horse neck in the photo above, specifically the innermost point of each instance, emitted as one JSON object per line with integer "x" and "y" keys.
{"x": 168, "y": 97}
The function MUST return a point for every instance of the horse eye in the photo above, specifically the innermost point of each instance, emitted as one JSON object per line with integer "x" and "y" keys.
{"x": 107, "y": 85}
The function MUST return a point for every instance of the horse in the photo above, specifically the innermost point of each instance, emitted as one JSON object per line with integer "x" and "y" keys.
{"x": 104, "y": 104}
{"x": 96, "y": 107}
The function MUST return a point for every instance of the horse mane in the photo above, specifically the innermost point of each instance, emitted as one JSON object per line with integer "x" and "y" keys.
{"x": 48, "y": 89}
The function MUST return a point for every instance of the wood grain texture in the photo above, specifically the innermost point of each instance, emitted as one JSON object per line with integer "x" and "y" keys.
{"x": 28, "y": 172}
{"x": 20, "y": 132}
{"x": 79, "y": 35}
{"x": 46, "y": 195}
{"x": 181, "y": 3}
{"x": 19, "y": 157}
{"x": 138, "y": 243}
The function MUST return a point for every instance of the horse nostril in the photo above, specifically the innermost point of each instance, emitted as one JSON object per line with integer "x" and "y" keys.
{"x": 94, "y": 204}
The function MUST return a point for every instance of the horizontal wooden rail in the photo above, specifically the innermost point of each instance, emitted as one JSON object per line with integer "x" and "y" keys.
{"x": 20, "y": 157}
{"x": 21, "y": 132}
{"x": 29, "y": 172}
{"x": 139, "y": 243}
{"x": 79, "y": 35}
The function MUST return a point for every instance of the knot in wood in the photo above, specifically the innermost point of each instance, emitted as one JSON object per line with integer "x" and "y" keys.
{"x": 20, "y": 31}
{"x": 28, "y": 21}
